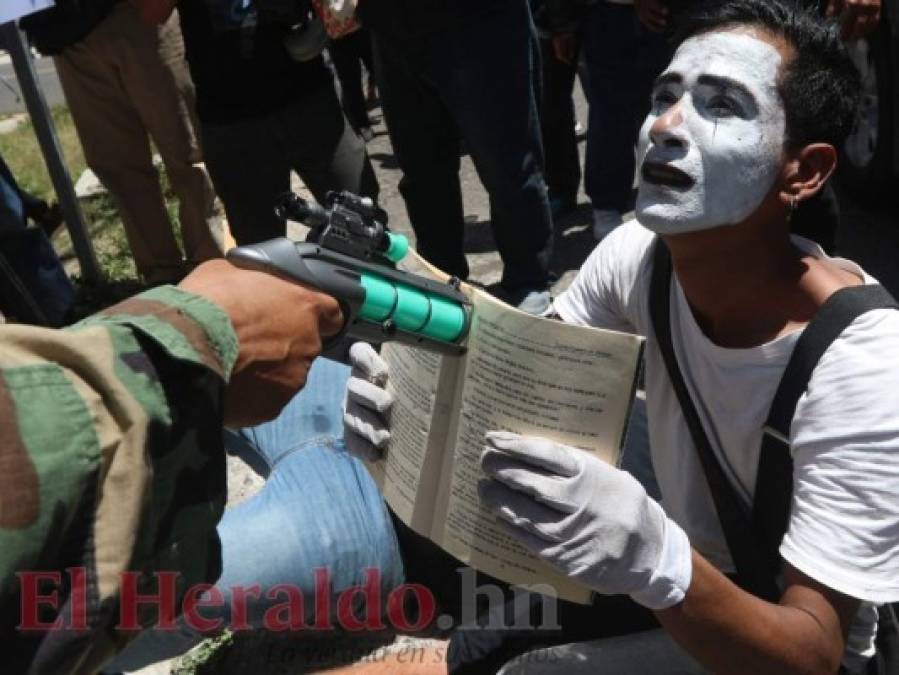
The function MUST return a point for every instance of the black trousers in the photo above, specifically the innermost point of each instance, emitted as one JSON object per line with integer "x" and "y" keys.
{"x": 476, "y": 81}
{"x": 494, "y": 625}
{"x": 557, "y": 119}
{"x": 348, "y": 54}
{"x": 250, "y": 161}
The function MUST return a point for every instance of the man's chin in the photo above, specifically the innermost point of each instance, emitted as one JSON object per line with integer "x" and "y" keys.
{"x": 668, "y": 219}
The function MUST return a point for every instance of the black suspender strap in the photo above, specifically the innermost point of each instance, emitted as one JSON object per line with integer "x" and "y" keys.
{"x": 774, "y": 483}
{"x": 754, "y": 537}
{"x": 732, "y": 512}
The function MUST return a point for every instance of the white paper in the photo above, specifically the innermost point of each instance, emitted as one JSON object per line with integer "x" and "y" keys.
{"x": 10, "y": 10}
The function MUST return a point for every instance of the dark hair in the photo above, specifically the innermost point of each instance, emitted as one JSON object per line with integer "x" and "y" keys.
{"x": 820, "y": 87}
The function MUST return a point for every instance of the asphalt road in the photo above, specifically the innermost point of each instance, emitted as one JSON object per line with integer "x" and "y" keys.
{"x": 10, "y": 94}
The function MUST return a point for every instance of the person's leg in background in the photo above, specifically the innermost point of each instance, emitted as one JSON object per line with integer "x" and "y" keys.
{"x": 488, "y": 74}
{"x": 345, "y": 55}
{"x": 117, "y": 149}
{"x": 323, "y": 148}
{"x": 318, "y": 510}
{"x": 163, "y": 94}
{"x": 366, "y": 55}
{"x": 654, "y": 52}
{"x": 557, "y": 120}
{"x": 426, "y": 146}
{"x": 250, "y": 171}
{"x": 610, "y": 49}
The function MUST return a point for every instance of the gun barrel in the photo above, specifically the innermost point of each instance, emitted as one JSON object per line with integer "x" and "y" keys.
{"x": 379, "y": 303}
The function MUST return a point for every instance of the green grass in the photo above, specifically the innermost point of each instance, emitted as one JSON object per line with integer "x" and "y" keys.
{"x": 205, "y": 658}
{"x": 22, "y": 152}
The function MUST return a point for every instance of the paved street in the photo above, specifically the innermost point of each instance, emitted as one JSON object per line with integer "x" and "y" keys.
{"x": 10, "y": 94}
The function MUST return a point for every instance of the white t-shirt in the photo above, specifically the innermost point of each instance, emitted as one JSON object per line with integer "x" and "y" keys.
{"x": 844, "y": 519}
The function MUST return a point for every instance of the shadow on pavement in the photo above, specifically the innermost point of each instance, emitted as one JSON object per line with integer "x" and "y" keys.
{"x": 384, "y": 159}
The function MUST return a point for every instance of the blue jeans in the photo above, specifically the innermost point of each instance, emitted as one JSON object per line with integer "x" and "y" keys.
{"x": 319, "y": 508}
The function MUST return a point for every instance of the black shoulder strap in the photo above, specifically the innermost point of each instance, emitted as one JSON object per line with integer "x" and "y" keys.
{"x": 732, "y": 512}
{"x": 756, "y": 557}
{"x": 774, "y": 482}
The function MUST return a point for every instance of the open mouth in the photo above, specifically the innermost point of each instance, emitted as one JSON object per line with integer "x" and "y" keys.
{"x": 665, "y": 174}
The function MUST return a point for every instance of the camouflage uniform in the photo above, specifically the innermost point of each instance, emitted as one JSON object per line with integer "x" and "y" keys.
{"x": 111, "y": 459}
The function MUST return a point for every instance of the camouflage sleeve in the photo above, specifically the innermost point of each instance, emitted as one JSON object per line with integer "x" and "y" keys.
{"x": 105, "y": 427}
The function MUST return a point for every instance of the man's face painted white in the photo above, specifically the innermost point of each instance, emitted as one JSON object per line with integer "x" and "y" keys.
{"x": 711, "y": 148}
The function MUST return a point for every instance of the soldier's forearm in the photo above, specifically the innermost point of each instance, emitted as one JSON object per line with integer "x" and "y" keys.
{"x": 83, "y": 411}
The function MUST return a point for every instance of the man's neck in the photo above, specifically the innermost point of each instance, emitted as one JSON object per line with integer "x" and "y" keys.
{"x": 749, "y": 285}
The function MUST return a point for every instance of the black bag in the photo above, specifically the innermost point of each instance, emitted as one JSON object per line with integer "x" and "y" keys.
{"x": 65, "y": 24}
{"x": 754, "y": 533}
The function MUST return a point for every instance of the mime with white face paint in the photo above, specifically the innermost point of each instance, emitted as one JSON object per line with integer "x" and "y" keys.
{"x": 725, "y": 157}
{"x": 743, "y": 130}
{"x": 712, "y": 147}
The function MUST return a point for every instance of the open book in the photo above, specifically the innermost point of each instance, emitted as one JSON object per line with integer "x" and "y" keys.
{"x": 521, "y": 373}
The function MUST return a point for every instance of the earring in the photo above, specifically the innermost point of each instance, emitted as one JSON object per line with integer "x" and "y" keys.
{"x": 794, "y": 204}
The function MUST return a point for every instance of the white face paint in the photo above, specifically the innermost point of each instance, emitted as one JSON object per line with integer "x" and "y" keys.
{"x": 711, "y": 148}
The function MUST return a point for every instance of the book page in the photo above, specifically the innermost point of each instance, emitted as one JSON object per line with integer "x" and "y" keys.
{"x": 422, "y": 385}
{"x": 535, "y": 377}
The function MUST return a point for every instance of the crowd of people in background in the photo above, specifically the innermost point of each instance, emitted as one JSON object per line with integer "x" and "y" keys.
{"x": 249, "y": 83}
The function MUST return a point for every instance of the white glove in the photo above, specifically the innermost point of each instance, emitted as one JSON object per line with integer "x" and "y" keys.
{"x": 592, "y": 521}
{"x": 367, "y": 406}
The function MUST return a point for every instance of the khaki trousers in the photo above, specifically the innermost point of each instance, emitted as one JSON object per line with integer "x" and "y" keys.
{"x": 127, "y": 83}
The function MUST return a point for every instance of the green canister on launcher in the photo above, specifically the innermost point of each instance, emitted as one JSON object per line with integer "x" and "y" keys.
{"x": 350, "y": 255}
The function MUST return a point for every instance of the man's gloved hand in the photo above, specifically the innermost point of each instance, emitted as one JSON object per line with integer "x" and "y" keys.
{"x": 594, "y": 522}
{"x": 367, "y": 406}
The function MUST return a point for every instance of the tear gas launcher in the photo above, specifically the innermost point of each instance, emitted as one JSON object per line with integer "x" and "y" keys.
{"x": 350, "y": 255}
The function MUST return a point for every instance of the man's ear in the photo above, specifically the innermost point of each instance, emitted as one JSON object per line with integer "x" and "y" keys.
{"x": 807, "y": 172}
